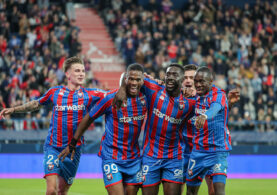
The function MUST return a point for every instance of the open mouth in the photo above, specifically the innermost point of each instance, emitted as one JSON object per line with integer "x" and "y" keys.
{"x": 170, "y": 84}
{"x": 133, "y": 90}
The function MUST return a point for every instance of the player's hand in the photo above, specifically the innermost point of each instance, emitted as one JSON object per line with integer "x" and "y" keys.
{"x": 66, "y": 152}
{"x": 200, "y": 121}
{"x": 160, "y": 82}
{"x": 69, "y": 149}
{"x": 189, "y": 92}
{"x": 233, "y": 96}
{"x": 6, "y": 111}
{"x": 119, "y": 98}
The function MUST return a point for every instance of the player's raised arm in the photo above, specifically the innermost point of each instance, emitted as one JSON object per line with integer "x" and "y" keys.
{"x": 28, "y": 107}
{"x": 121, "y": 94}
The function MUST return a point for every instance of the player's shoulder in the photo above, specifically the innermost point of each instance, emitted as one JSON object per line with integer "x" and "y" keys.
{"x": 96, "y": 90}
{"x": 216, "y": 90}
{"x": 153, "y": 82}
{"x": 55, "y": 88}
{"x": 191, "y": 100}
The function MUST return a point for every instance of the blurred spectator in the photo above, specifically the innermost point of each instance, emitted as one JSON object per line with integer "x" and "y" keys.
{"x": 238, "y": 43}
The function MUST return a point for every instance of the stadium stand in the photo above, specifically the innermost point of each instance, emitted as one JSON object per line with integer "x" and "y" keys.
{"x": 238, "y": 41}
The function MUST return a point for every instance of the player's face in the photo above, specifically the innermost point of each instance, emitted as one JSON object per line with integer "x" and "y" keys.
{"x": 173, "y": 79}
{"x": 76, "y": 74}
{"x": 134, "y": 81}
{"x": 202, "y": 83}
{"x": 189, "y": 79}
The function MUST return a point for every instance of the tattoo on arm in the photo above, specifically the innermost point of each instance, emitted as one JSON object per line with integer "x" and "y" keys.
{"x": 28, "y": 107}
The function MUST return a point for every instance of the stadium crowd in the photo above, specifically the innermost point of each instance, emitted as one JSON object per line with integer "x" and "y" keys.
{"x": 35, "y": 39}
{"x": 238, "y": 43}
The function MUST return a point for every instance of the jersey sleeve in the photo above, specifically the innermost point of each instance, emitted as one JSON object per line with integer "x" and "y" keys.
{"x": 191, "y": 110}
{"x": 46, "y": 97}
{"x": 219, "y": 98}
{"x": 101, "y": 107}
{"x": 96, "y": 96}
{"x": 150, "y": 87}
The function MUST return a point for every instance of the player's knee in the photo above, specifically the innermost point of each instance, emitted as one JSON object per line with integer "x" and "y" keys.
{"x": 192, "y": 190}
{"x": 51, "y": 191}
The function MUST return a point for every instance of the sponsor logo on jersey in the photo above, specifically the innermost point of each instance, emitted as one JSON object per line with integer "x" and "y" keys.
{"x": 131, "y": 118}
{"x": 166, "y": 117}
{"x": 70, "y": 107}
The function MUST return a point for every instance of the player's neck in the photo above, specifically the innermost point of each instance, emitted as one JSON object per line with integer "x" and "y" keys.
{"x": 174, "y": 93}
{"x": 73, "y": 87}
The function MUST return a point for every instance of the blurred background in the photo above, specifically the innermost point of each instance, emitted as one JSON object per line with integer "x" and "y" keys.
{"x": 236, "y": 38}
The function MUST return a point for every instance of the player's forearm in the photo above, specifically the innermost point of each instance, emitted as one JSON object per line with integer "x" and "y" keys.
{"x": 83, "y": 126}
{"x": 213, "y": 110}
{"x": 28, "y": 107}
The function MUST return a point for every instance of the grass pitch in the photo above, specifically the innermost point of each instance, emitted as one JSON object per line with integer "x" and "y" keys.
{"x": 96, "y": 187}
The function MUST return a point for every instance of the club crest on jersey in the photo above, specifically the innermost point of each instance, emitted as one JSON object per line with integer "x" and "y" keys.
{"x": 50, "y": 167}
{"x": 61, "y": 92}
{"x": 80, "y": 94}
{"x": 142, "y": 100}
{"x": 162, "y": 97}
{"x": 181, "y": 105}
{"x": 110, "y": 177}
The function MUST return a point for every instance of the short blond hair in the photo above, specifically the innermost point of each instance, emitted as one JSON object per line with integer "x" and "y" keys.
{"x": 70, "y": 61}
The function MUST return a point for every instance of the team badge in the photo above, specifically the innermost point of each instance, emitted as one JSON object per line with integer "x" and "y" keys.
{"x": 80, "y": 94}
{"x": 110, "y": 177}
{"x": 162, "y": 97}
{"x": 61, "y": 92}
{"x": 143, "y": 178}
{"x": 190, "y": 172}
{"x": 50, "y": 167}
{"x": 181, "y": 105}
{"x": 143, "y": 102}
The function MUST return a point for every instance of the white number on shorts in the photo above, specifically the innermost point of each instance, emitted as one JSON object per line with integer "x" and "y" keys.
{"x": 50, "y": 158}
{"x": 56, "y": 162}
{"x": 110, "y": 168}
{"x": 192, "y": 163}
{"x": 145, "y": 169}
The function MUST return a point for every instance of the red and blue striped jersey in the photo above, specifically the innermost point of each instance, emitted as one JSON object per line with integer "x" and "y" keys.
{"x": 166, "y": 119}
{"x": 122, "y": 127}
{"x": 214, "y": 136}
{"x": 188, "y": 130}
{"x": 69, "y": 107}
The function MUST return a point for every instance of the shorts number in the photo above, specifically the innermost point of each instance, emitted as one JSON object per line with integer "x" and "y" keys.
{"x": 50, "y": 158}
{"x": 191, "y": 164}
{"x": 145, "y": 169}
{"x": 112, "y": 168}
